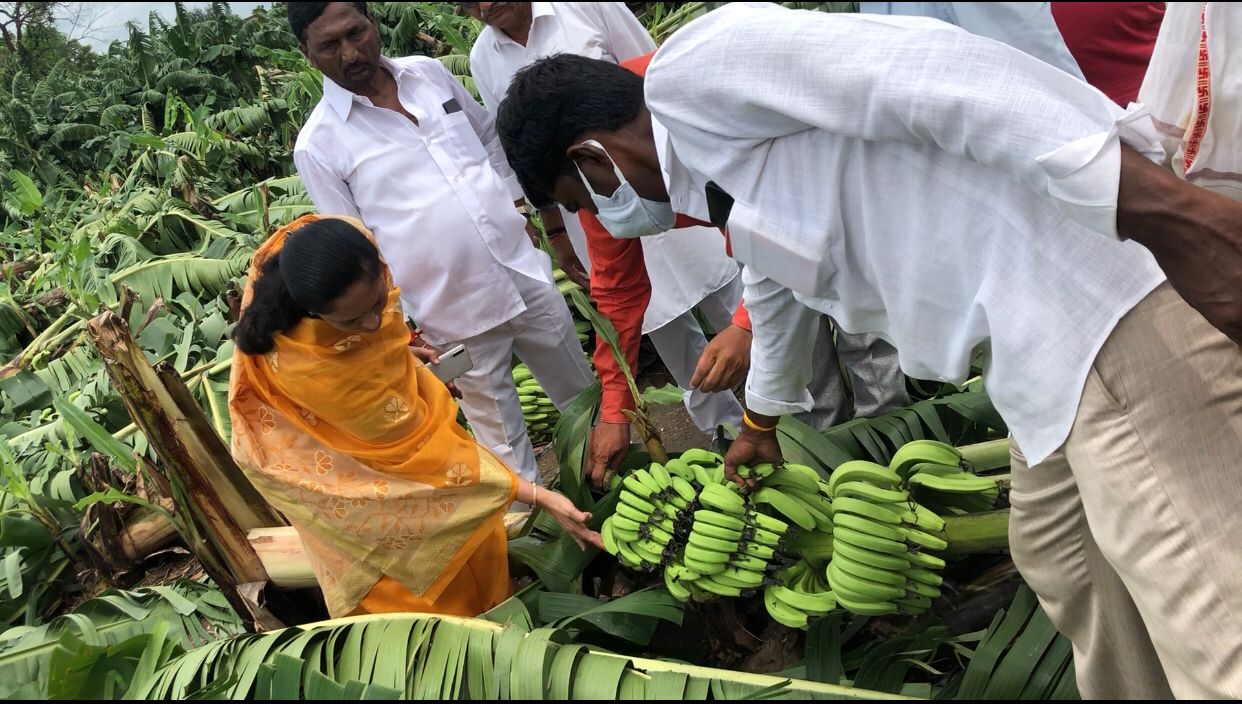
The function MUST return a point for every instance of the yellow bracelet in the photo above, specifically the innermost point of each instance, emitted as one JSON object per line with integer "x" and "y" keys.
{"x": 755, "y": 426}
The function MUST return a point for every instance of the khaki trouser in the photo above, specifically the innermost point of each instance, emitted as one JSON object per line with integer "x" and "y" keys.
{"x": 1131, "y": 534}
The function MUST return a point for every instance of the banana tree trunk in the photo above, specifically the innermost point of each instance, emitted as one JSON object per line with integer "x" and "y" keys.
{"x": 983, "y": 456}
{"x": 214, "y": 499}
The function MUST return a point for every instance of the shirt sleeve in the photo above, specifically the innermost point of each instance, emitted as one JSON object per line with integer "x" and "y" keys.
{"x": 906, "y": 79}
{"x": 741, "y": 316}
{"x": 621, "y": 291}
{"x": 781, "y": 347}
{"x": 329, "y": 193}
{"x": 483, "y": 80}
{"x": 624, "y": 36}
{"x": 485, "y": 128}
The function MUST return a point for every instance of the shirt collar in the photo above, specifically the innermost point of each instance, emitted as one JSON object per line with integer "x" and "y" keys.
{"x": 342, "y": 101}
{"x": 537, "y": 10}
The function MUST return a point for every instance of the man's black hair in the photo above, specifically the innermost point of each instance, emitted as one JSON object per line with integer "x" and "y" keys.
{"x": 551, "y": 104}
{"x": 304, "y": 14}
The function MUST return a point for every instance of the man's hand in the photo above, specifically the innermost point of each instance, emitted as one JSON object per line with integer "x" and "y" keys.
{"x": 1194, "y": 234}
{"x": 569, "y": 262}
{"x": 724, "y": 361}
{"x": 751, "y": 447}
{"x": 609, "y": 444}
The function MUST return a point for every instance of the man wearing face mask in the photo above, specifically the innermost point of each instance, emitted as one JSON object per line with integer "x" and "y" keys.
{"x": 644, "y": 288}
{"x": 401, "y": 145}
{"x": 960, "y": 198}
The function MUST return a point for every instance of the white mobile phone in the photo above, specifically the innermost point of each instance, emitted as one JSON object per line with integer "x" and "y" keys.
{"x": 452, "y": 364}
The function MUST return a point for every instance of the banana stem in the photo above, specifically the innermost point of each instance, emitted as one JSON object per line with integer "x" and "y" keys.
{"x": 977, "y": 532}
{"x": 983, "y": 456}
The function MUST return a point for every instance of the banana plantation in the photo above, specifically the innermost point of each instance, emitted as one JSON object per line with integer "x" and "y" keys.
{"x": 137, "y": 562}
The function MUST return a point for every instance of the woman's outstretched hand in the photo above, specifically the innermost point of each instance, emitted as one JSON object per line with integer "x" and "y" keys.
{"x": 570, "y": 518}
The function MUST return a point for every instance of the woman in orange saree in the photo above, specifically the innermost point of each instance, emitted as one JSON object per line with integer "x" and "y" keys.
{"x": 355, "y": 441}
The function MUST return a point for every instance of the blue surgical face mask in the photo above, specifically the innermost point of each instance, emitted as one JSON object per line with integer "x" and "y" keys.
{"x": 625, "y": 213}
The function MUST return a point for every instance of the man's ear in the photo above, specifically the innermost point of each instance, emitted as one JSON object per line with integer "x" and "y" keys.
{"x": 596, "y": 166}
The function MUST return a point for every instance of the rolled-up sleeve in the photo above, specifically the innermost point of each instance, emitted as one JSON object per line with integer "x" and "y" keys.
{"x": 780, "y": 356}
{"x": 906, "y": 79}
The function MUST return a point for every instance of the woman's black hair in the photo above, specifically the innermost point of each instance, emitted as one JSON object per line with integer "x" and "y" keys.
{"x": 318, "y": 263}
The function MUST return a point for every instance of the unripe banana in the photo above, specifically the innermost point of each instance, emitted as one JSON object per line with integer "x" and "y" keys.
{"x": 660, "y": 475}
{"x": 917, "y": 451}
{"x": 626, "y": 524}
{"x": 768, "y": 523}
{"x": 870, "y": 542}
{"x": 865, "y": 608}
{"x": 704, "y": 568}
{"x": 713, "y": 544}
{"x": 684, "y": 490}
{"x": 710, "y": 585}
{"x": 922, "y": 559}
{"x": 923, "y": 590}
{"x": 811, "y": 603}
{"x": 717, "y": 497}
{"x": 717, "y": 532}
{"x": 788, "y": 506}
{"x": 702, "y": 457}
{"x": 862, "y": 471}
{"x": 782, "y": 612}
{"x": 705, "y": 556}
{"x": 606, "y": 535}
{"x": 871, "y": 492}
{"x": 679, "y": 468}
{"x": 646, "y": 507}
{"x": 675, "y": 588}
{"x": 892, "y": 578}
{"x": 628, "y": 511}
{"x": 964, "y": 484}
{"x": 882, "y": 560}
{"x": 868, "y": 525}
{"x": 717, "y": 518}
{"x": 748, "y": 562}
{"x": 784, "y": 477}
{"x": 845, "y": 584}
{"x": 866, "y": 509}
{"x": 635, "y": 486}
{"x": 925, "y": 576}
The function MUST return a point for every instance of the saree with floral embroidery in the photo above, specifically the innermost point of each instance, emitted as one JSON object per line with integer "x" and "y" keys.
{"x": 357, "y": 444}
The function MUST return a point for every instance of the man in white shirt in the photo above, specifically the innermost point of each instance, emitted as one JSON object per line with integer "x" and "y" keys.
{"x": 686, "y": 269}
{"x": 958, "y": 197}
{"x": 402, "y": 146}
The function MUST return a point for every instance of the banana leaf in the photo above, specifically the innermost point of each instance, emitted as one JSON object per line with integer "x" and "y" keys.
{"x": 444, "y": 656}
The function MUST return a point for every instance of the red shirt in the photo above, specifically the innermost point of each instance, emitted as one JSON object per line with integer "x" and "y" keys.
{"x": 621, "y": 291}
{"x": 1111, "y": 41}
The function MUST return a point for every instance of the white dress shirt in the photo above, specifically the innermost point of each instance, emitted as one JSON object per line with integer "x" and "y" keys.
{"x": 438, "y": 195}
{"x": 1028, "y": 26}
{"x": 949, "y": 193}
{"x": 684, "y": 266}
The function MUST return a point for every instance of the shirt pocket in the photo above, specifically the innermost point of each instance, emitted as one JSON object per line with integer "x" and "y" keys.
{"x": 460, "y": 138}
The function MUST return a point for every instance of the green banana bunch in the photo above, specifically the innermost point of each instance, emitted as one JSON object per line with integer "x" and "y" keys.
{"x": 940, "y": 480}
{"x": 878, "y": 564}
{"x": 538, "y": 410}
{"x": 648, "y": 529}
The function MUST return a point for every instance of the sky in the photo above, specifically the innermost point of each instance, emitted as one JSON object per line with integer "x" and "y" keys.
{"x": 107, "y": 19}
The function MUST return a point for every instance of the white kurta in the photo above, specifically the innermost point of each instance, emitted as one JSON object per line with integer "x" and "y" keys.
{"x": 947, "y": 192}
{"x": 684, "y": 266}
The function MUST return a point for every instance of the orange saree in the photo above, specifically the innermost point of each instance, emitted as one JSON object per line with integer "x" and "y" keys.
{"x": 357, "y": 444}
